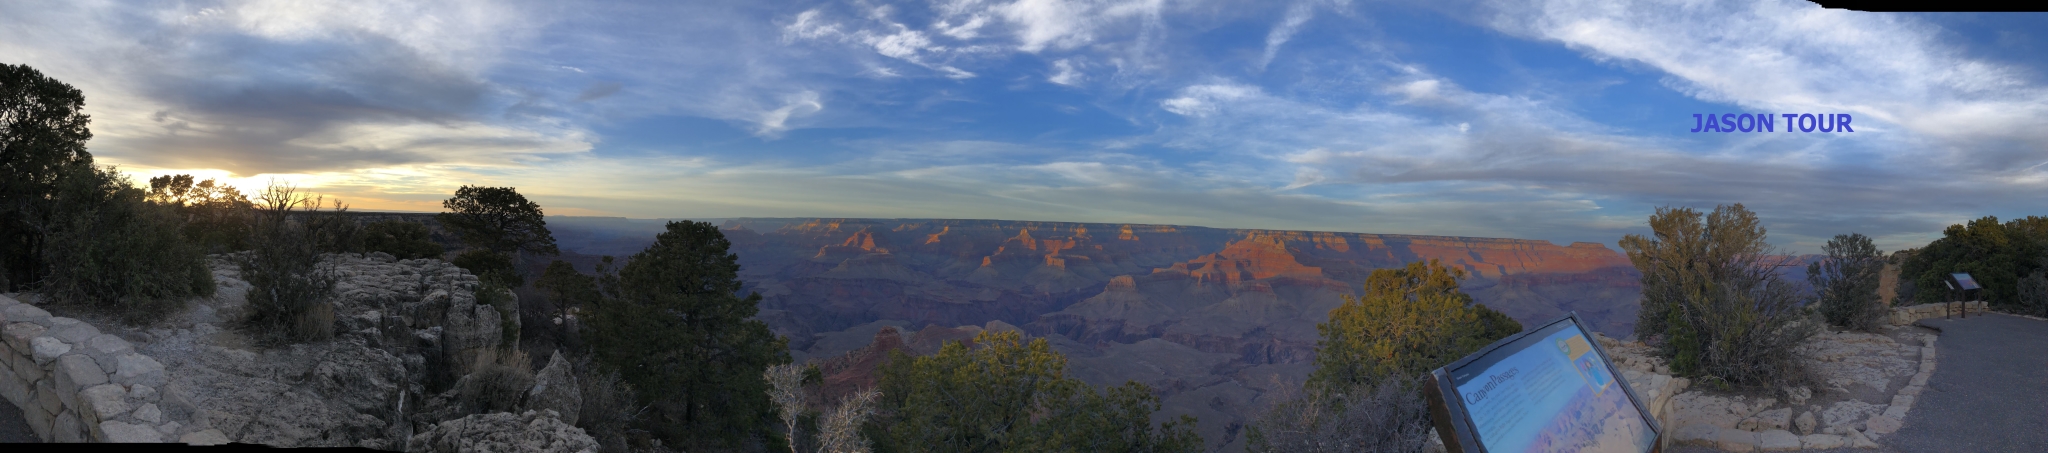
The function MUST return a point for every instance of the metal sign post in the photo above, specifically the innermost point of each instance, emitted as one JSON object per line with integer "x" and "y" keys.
{"x": 1966, "y": 285}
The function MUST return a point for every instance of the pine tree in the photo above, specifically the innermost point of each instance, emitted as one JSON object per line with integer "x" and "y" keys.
{"x": 673, "y": 325}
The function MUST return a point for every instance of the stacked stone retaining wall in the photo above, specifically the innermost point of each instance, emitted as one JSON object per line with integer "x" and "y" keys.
{"x": 1902, "y": 316}
{"x": 75, "y": 384}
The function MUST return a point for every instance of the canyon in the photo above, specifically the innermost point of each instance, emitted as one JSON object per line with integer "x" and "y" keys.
{"x": 1221, "y": 322}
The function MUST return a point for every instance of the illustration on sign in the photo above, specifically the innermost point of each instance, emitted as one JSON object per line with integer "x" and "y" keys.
{"x": 1965, "y": 280}
{"x": 1549, "y": 391}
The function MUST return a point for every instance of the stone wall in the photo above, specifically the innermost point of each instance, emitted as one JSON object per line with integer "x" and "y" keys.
{"x": 1906, "y": 315}
{"x": 75, "y": 384}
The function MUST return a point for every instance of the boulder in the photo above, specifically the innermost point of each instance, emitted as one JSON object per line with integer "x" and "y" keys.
{"x": 76, "y": 374}
{"x": 1805, "y": 422}
{"x": 105, "y": 347}
{"x": 18, "y": 335}
{"x": 1821, "y": 441}
{"x": 205, "y": 437}
{"x": 71, "y": 330}
{"x": 104, "y": 402}
{"x": 1797, "y": 396}
{"x": 1779, "y": 418}
{"x": 48, "y": 349}
{"x": 132, "y": 369}
{"x": 25, "y": 313}
{"x": 1777, "y": 440}
{"x": 533, "y": 431}
{"x": 118, "y": 432}
{"x": 555, "y": 388}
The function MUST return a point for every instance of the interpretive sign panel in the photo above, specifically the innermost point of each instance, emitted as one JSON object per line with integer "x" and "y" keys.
{"x": 1547, "y": 389}
{"x": 1965, "y": 280}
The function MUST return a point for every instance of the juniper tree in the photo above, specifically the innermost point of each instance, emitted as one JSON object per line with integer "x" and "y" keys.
{"x": 1713, "y": 303}
{"x": 1846, "y": 282}
{"x": 43, "y": 130}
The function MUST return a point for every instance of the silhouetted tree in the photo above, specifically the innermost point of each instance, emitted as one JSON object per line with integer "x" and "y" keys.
{"x": 498, "y": 219}
{"x": 216, "y": 215}
{"x": 43, "y": 131}
{"x": 673, "y": 325}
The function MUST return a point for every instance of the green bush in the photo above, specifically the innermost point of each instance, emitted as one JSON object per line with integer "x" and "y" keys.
{"x": 110, "y": 248}
{"x": 402, "y": 239}
{"x": 1846, "y": 283}
{"x": 1365, "y": 392}
{"x": 1993, "y": 253}
{"x": 1409, "y": 321}
{"x": 1004, "y": 394}
{"x": 289, "y": 282}
{"x": 2033, "y": 293}
{"x": 1712, "y": 301}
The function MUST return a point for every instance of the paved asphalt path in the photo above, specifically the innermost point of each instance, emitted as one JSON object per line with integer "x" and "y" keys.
{"x": 1989, "y": 391}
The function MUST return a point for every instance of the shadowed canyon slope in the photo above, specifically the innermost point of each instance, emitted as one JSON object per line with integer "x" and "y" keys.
{"x": 1216, "y": 319}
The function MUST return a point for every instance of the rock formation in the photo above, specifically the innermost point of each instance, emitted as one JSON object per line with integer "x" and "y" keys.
{"x": 405, "y": 332}
{"x": 1215, "y": 318}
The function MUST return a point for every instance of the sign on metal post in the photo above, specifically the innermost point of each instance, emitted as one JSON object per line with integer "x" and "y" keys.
{"x": 1550, "y": 388}
{"x": 1966, "y": 284}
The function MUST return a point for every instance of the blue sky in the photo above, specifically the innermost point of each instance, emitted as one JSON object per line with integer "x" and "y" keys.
{"x": 1551, "y": 119}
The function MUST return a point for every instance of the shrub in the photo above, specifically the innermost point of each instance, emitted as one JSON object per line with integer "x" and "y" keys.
{"x": 2033, "y": 292}
{"x": 1713, "y": 303}
{"x": 109, "y": 248}
{"x": 402, "y": 239}
{"x": 1409, "y": 321}
{"x": 497, "y": 387}
{"x": 1995, "y": 254}
{"x": 1391, "y": 417}
{"x": 609, "y": 407}
{"x": 1004, "y": 394}
{"x": 289, "y": 283}
{"x": 1846, "y": 283}
{"x": 1364, "y": 394}
{"x": 332, "y": 229}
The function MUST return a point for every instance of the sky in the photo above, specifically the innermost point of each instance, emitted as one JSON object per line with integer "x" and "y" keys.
{"x": 1561, "y": 120}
